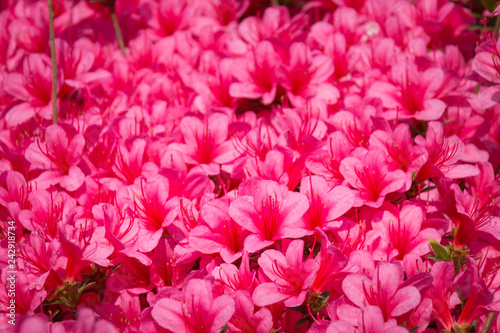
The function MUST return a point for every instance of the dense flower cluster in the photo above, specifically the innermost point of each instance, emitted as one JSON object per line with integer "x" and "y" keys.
{"x": 330, "y": 167}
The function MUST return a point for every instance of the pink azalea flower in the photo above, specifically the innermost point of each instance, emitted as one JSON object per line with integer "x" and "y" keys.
{"x": 245, "y": 319}
{"x": 404, "y": 233}
{"x": 385, "y": 290}
{"x": 48, "y": 210}
{"x": 444, "y": 153}
{"x": 76, "y": 64}
{"x": 39, "y": 259}
{"x": 83, "y": 243}
{"x": 402, "y": 153}
{"x": 122, "y": 231}
{"x": 129, "y": 161}
{"x": 167, "y": 267}
{"x": 59, "y": 156}
{"x": 443, "y": 292}
{"x": 198, "y": 311}
{"x": 412, "y": 95}
{"x": 275, "y": 22}
{"x": 326, "y": 161}
{"x": 290, "y": 276}
{"x": 32, "y": 89}
{"x": 325, "y": 204}
{"x": 132, "y": 276}
{"x": 124, "y": 313}
{"x": 305, "y": 76}
{"x": 153, "y": 208}
{"x": 14, "y": 196}
{"x": 213, "y": 86}
{"x": 371, "y": 320}
{"x": 332, "y": 263}
{"x": 27, "y": 297}
{"x": 476, "y": 215}
{"x": 235, "y": 279}
{"x": 256, "y": 73}
{"x": 480, "y": 300}
{"x": 218, "y": 233}
{"x": 370, "y": 175}
{"x": 269, "y": 211}
{"x": 206, "y": 141}
{"x": 485, "y": 62}
{"x": 86, "y": 322}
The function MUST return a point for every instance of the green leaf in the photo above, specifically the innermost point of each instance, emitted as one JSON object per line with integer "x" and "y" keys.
{"x": 224, "y": 329}
{"x": 448, "y": 121}
{"x": 296, "y": 308}
{"x": 489, "y": 4}
{"x": 325, "y": 294}
{"x": 428, "y": 188}
{"x": 414, "y": 329}
{"x": 300, "y": 322}
{"x": 440, "y": 251}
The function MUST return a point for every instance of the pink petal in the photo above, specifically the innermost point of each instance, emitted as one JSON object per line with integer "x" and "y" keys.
{"x": 405, "y": 299}
{"x": 268, "y": 293}
{"x": 168, "y": 314}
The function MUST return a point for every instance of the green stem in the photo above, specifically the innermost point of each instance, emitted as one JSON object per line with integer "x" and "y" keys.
{"x": 116, "y": 25}
{"x": 489, "y": 321}
{"x": 54, "y": 62}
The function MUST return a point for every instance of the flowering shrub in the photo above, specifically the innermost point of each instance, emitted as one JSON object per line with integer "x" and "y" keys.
{"x": 241, "y": 166}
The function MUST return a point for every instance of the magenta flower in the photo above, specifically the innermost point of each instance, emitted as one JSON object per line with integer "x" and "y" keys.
{"x": 412, "y": 94}
{"x": 275, "y": 22}
{"x": 48, "y": 210}
{"x": 371, "y": 320}
{"x": 14, "y": 193}
{"x": 370, "y": 175}
{"x": 404, "y": 233}
{"x": 206, "y": 141}
{"x": 245, "y": 319}
{"x": 197, "y": 312}
{"x": 444, "y": 153}
{"x": 325, "y": 204}
{"x": 326, "y": 161}
{"x": 149, "y": 202}
{"x": 331, "y": 265}
{"x": 256, "y": 73}
{"x": 384, "y": 290}
{"x": 32, "y": 88}
{"x": 233, "y": 278}
{"x": 290, "y": 275}
{"x": 218, "y": 233}
{"x": 59, "y": 156}
{"x": 305, "y": 76}
{"x": 443, "y": 292}
{"x": 269, "y": 211}
{"x": 129, "y": 161}
{"x": 401, "y": 152}
{"x": 480, "y": 301}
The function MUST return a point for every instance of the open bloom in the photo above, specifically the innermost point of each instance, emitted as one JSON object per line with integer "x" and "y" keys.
{"x": 371, "y": 177}
{"x": 32, "y": 89}
{"x": 385, "y": 289}
{"x": 197, "y": 312}
{"x": 59, "y": 155}
{"x": 290, "y": 276}
{"x": 270, "y": 211}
